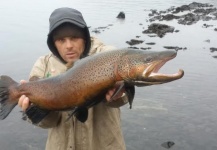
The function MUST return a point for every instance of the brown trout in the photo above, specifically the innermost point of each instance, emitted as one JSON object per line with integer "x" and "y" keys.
{"x": 86, "y": 83}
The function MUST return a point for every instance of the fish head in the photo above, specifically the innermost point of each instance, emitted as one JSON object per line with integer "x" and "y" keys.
{"x": 141, "y": 67}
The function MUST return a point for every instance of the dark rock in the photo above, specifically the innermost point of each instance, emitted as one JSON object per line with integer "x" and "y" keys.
{"x": 195, "y": 5}
{"x": 145, "y": 48}
{"x": 137, "y": 36}
{"x": 133, "y": 47}
{"x": 176, "y": 31}
{"x": 152, "y": 35}
{"x": 151, "y": 43}
{"x": 208, "y": 41}
{"x": 159, "y": 29}
{"x": 155, "y": 18}
{"x": 215, "y": 29}
{"x": 96, "y": 31}
{"x": 213, "y": 49}
{"x": 134, "y": 42}
{"x": 188, "y": 19}
{"x": 174, "y": 47}
{"x": 197, "y": 11}
{"x": 169, "y": 17}
{"x": 214, "y": 56}
{"x": 181, "y": 9}
{"x": 206, "y": 25}
{"x": 121, "y": 15}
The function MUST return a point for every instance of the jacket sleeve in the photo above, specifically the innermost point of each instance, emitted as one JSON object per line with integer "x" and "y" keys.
{"x": 96, "y": 47}
{"x": 38, "y": 72}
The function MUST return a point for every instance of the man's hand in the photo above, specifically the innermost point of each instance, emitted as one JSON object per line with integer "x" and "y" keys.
{"x": 23, "y": 100}
{"x": 111, "y": 91}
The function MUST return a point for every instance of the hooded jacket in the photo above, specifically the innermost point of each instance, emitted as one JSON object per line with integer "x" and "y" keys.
{"x": 101, "y": 131}
{"x": 67, "y": 15}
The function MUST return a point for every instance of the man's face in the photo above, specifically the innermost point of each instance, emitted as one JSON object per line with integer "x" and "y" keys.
{"x": 70, "y": 48}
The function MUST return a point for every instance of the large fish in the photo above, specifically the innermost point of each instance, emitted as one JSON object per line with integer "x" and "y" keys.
{"x": 86, "y": 83}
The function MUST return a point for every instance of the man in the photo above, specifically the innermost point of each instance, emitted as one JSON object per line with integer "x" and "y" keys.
{"x": 69, "y": 40}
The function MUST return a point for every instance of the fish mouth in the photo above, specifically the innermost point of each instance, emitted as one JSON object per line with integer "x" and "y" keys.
{"x": 152, "y": 76}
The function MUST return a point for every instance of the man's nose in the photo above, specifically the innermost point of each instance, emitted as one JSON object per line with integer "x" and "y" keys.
{"x": 69, "y": 43}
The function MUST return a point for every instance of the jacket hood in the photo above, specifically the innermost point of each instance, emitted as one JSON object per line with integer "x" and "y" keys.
{"x": 67, "y": 15}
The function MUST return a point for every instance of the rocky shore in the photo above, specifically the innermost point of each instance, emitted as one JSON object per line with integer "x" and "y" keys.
{"x": 184, "y": 15}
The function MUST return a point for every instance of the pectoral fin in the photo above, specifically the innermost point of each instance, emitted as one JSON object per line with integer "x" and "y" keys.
{"x": 81, "y": 113}
{"x": 117, "y": 91}
{"x": 130, "y": 92}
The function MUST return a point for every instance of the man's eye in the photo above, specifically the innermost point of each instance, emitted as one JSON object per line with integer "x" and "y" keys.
{"x": 61, "y": 40}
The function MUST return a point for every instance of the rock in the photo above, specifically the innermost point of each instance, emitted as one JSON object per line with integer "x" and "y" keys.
{"x": 215, "y": 29}
{"x": 169, "y": 17}
{"x": 197, "y": 11}
{"x": 213, "y": 49}
{"x": 174, "y": 47}
{"x": 206, "y": 25}
{"x": 121, "y": 15}
{"x": 195, "y": 5}
{"x": 96, "y": 31}
{"x": 159, "y": 29}
{"x": 134, "y": 42}
{"x": 188, "y": 19}
{"x": 133, "y": 47}
{"x": 181, "y": 9}
{"x": 208, "y": 41}
{"x": 151, "y": 43}
{"x": 145, "y": 48}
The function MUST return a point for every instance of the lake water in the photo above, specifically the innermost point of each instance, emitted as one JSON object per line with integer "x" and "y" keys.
{"x": 182, "y": 111}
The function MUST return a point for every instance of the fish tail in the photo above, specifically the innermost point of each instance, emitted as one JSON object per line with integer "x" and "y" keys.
{"x": 6, "y": 103}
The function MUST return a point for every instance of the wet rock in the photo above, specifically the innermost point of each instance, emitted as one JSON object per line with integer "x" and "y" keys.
{"x": 159, "y": 29}
{"x": 175, "y": 48}
{"x": 213, "y": 49}
{"x": 134, "y": 42}
{"x": 96, "y": 31}
{"x": 206, "y": 25}
{"x": 197, "y": 11}
{"x": 169, "y": 17}
{"x": 133, "y": 47}
{"x": 152, "y": 35}
{"x": 121, "y": 15}
{"x": 181, "y": 9}
{"x": 145, "y": 48}
{"x": 153, "y": 12}
{"x": 189, "y": 19}
{"x": 150, "y": 43}
{"x": 155, "y": 18}
{"x": 195, "y": 5}
{"x": 208, "y": 41}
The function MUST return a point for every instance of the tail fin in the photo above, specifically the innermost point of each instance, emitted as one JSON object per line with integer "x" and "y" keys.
{"x": 6, "y": 104}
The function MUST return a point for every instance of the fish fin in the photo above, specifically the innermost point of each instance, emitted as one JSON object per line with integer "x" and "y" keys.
{"x": 6, "y": 103}
{"x": 36, "y": 114}
{"x": 117, "y": 91}
{"x": 81, "y": 113}
{"x": 130, "y": 92}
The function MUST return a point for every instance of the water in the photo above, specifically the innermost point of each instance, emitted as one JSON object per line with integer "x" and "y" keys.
{"x": 183, "y": 111}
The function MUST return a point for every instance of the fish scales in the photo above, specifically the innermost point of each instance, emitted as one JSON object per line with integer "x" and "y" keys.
{"x": 88, "y": 79}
